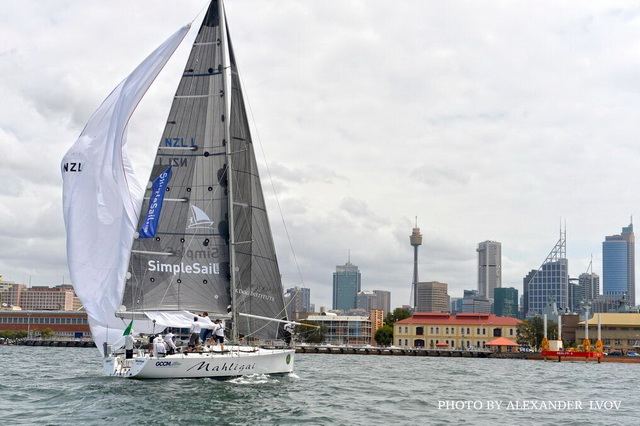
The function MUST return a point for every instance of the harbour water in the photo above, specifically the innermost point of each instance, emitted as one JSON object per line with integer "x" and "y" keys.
{"x": 65, "y": 386}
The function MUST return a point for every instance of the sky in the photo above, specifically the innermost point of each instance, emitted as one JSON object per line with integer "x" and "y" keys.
{"x": 493, "y": 120}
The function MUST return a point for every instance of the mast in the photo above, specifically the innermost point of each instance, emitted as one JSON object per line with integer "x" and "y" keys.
{"x": 226, "y": 82}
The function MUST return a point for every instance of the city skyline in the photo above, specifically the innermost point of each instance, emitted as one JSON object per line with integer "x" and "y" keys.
{"x": 486, "y": 120}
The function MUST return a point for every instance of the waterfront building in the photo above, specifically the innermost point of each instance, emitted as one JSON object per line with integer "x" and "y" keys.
{"x": 620, "y": 331}
{"x": 474, "y": 303}
{"x": 618, "y": 265}
{"x": 590, "y": 285}
{"x": 489, "y": 267}
{"x": 432, "y": 297}
{"x": 551, "y": 281}
{"x": 65, "y": 324}
{"x": 346, "y": 286}
{"x": 344, "y": 329}
{"x": 506, "y": 302}
{"x": 297, "y": 300}
{"x": 462, "y": 330}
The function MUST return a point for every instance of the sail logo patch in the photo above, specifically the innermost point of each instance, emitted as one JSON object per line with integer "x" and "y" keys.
{"x": 198, "y": 219}
{"x": 159, "y": 187}
{"x": 181, "y": 268}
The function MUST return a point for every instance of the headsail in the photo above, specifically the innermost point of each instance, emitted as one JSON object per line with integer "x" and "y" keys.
{"x": 101, "y": 197}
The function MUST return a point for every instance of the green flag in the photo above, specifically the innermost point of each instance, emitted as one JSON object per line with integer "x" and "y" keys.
{"x": 128, "y": 329}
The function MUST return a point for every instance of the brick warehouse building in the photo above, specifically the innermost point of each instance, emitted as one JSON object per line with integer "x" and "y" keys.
{"x": 65, "y": 324}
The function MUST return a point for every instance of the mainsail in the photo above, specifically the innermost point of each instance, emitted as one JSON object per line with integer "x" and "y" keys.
{"x": 211, "y": 245}
{"x": 101, "y": 198}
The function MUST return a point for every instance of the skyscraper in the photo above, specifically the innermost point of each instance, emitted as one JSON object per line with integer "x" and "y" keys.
{"x": 384, "y": 301}
{"x": 432, "y": 297}
{"x": 550, "y": 282}
{"x": 473, "y": 303}
{"x": 346, "y": 286}
{"x": 489, "y": 267}
{"x": 618, "y": 265}
{"x": 416, "y": 241}
{"x": 506, "y": 302}
{"x": 590, "y": 285}
{"x": 297, "y": 299}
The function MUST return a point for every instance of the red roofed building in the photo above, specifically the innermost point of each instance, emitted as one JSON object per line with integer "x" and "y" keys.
{"x": 462, "y": 330}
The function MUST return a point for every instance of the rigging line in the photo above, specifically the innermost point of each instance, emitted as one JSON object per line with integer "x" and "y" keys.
{"x": 206, "y": 5}
{"x": 264, "y": 156}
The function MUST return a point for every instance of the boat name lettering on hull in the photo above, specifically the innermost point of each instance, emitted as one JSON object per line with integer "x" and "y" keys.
{"x": 181, "y": 268}
{"x": 206, "y": 366}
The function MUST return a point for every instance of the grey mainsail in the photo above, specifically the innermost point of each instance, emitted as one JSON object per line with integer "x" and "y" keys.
{"x": 181, "y": 258}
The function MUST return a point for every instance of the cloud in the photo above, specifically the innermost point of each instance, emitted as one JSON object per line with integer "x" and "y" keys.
{"x": 485, "y": 120}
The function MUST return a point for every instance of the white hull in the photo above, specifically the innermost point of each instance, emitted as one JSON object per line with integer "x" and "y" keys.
{"x": 236, "y": 361}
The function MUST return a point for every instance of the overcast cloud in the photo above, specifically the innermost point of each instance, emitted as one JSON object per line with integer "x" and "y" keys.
{"x": 487, "y": 120}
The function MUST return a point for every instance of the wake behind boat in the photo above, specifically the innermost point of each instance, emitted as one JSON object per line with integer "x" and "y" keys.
{"x": 196, "y": 239}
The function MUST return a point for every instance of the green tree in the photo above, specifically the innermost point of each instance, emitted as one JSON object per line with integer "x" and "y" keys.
{"x": 397, "y": 315}
{"x": 531, "y": 332}
{"x": 311, "y": 334}
{"x": 384, "y": 335}
{"x": 13, "y": 335}
{"x": 47, "y": 333}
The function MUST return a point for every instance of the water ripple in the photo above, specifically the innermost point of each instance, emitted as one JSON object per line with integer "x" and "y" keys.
{"x": 61, "y": 386}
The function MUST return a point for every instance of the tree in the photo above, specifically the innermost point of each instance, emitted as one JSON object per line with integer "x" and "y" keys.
{"x": 311, "y": 334}
{"x": 12, "y": 335}
{"x": 47, "y": 333}
{"x": 384, "y": 335}
{"x": 531, "y": 332}
{"x": 398, "y": 314}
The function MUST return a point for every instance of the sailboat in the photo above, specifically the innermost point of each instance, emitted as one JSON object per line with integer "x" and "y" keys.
{"x": 196, "y": 239}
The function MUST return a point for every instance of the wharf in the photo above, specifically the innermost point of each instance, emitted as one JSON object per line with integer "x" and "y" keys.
{"x": 374, "y": 350}
{"x": 59, "y": 343}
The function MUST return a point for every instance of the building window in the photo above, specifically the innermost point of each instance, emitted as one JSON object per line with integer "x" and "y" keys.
{"x": 399, "y": 342}
{"x": 431, "y": 330}
{"x": 511, "y": 332}
{"x": 419, "y": 331}
{"x": 446, "y": 331}
{"x": 484, "y": 331}
{"x": 406, "y": 342}
{"x": 478, "y": 331}
{"x": 437, "y": 330}
{"x": 468, "y": 331}
{"x": 406, "y": 330}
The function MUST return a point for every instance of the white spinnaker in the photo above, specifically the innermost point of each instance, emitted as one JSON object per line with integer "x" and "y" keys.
{"x": 102, "y": 200}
